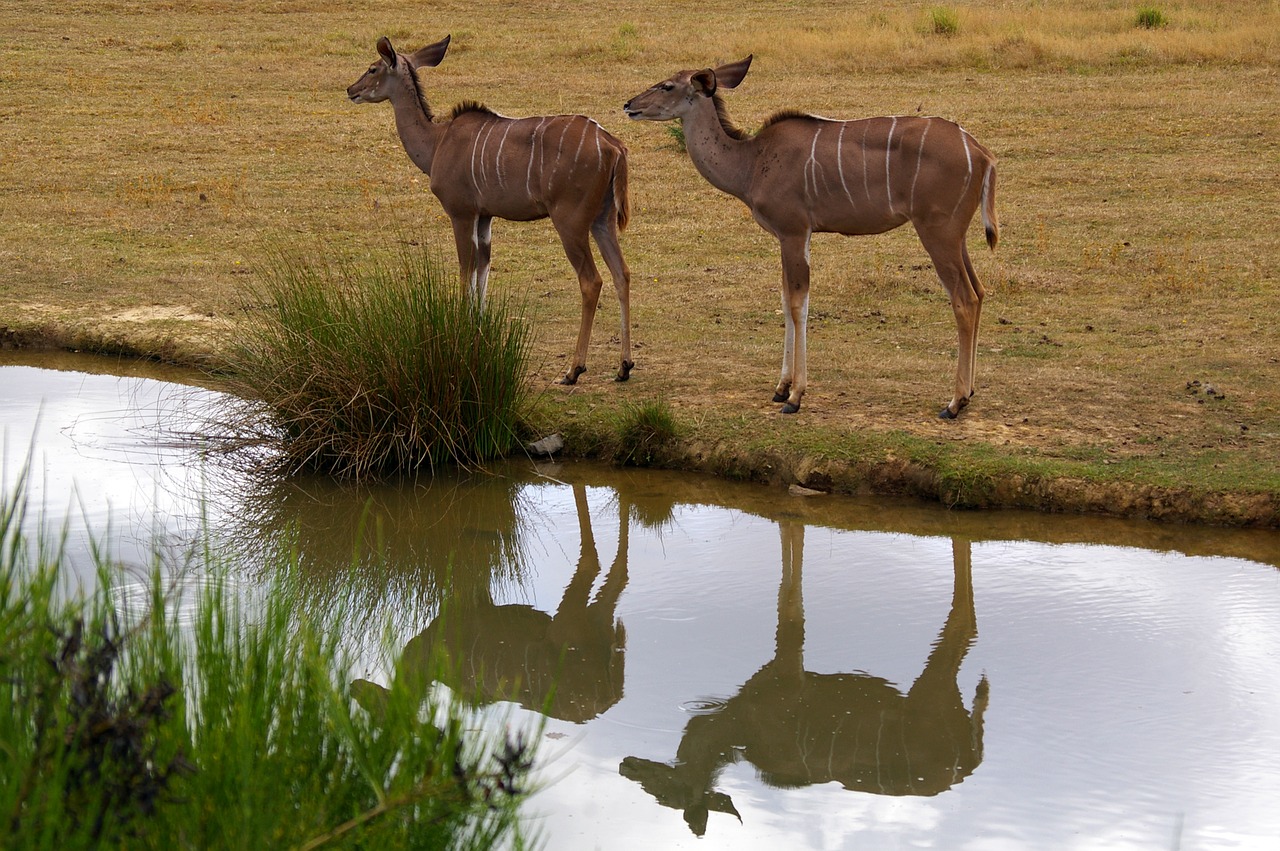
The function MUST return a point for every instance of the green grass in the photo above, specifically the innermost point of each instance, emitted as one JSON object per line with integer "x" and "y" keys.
{"x": 1150, "y": 18}
{"x": 378, "y": 366}
{"x": 943, "y": 21}
{"x": 224, "y": 722}
{"x": 643, "y": 430}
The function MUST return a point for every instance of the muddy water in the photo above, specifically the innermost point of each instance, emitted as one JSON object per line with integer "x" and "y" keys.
{"x": 729, "y": 666}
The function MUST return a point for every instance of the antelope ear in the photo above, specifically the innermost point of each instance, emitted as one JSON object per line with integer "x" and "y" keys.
{"x": 730, "y": 75}
{"x": 431, "y": 55}
{"x": 386, "y": 51}
{"x": 704, "y": 81}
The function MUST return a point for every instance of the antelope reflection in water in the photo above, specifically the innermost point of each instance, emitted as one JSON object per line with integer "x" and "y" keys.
{"x": 568, "y": 665}
{"x": 800, "y": 728}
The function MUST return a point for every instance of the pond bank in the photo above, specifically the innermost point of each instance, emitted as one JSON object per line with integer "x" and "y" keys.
{"x": 1018, "y": 490}
{"x": 1029, "y": 483}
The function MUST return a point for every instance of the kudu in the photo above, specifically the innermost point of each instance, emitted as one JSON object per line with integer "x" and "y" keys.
{"x": 483, "y": 165}
{"x": 568, "y": 665}
{"x": 800, "y": 728}
{"x": 802, "y": 174}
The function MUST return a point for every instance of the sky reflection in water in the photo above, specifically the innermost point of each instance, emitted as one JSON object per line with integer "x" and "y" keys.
{"x": 767, "y": 670}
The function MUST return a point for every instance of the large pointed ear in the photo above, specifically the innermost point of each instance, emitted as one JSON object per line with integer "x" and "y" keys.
{"x": 704, "y": 81}
{"x": 730, "y": 75}
{"x": 431, "y": 55}
{"x": 386, "y": 51}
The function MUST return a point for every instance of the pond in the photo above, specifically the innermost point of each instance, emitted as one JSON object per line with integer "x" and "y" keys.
{"x": 723, "y": 665}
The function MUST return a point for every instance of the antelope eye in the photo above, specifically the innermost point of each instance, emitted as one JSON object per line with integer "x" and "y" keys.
{"x": 666, "y": 87}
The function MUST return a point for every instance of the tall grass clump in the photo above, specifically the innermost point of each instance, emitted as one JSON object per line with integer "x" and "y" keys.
{"x": 225, "y": 722}
{"x": 381, "y": 366}
{"x": 943, "y": 21}
{"x": 1150, "y": 18}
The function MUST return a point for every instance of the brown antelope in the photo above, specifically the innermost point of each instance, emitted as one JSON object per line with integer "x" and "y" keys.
{"x": 482, "y": 165}
{"x": 800, "y": 728}
{"x": 802, "y": 174}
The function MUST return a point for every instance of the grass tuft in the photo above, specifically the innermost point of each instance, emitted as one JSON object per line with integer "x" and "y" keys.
{"x": 625, "y": 43}
{"x": 381, "y": 367}
{"x": 643, "y": 429}
{"x": 1150, "y": 18}
{"x": 943, "y": 21}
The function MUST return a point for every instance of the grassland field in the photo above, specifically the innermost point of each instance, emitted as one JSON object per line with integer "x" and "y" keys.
{"x": 151, "y": 151}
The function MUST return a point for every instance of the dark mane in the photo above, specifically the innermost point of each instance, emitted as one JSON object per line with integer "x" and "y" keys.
{"x": 786, "y": 115}
{"x": 422, "y": 96}
{"x": 470, "y": 106}
{"x": 733, "y": 130}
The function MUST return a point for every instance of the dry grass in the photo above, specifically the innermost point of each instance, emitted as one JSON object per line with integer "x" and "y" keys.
{"x": 147, "y": 148}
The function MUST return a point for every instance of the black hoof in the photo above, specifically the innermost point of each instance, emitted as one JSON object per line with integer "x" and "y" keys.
{"x": 571, "y": 377}
{"x": 780, "y": 397}
{"x": 947, "y": 414}
{"x": 624, "y": 372}
{"x": 788, "y": 408}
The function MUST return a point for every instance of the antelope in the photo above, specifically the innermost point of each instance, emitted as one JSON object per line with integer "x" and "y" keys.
{"x": 483, "y": 165}
{"x": 804, "y": 174}
{"x": 800, "y": 728}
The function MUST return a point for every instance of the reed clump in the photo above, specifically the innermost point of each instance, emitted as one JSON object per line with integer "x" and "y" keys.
{"x": 381, "y": 366}
{"x": 220, "y": 719}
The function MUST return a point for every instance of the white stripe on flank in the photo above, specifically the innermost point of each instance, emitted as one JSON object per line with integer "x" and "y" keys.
{"x": 502, "y": 182}
{"x": 484, "y": 152}
{"x": 866, "y": 185}
{"x": 534, "y": 143}
{"x": 888, "y": 152}
{"x": 840, "y": 163}
{"x": 968, "y": 158}
{"x": 811, "y": 167}
{"x": 919, "y": 157}
{"x": 559, "y": 150}
{"x": 475, "y": 144}
{"x": 581, "y": 139}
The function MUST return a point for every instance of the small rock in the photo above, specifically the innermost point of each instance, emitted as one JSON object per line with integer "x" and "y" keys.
{"x": 801, "y": 490}
{"x": 545, "y": 447}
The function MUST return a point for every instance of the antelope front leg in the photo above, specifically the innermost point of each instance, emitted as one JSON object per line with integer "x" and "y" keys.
{"x": 466, "y": 237}
{"x": 795, "y": 309}
{"x": 484, "y": 254}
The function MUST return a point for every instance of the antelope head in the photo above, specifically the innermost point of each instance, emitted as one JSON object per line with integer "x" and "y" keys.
{"x": 675, "y": 96}
{"x": 375, "y": 85}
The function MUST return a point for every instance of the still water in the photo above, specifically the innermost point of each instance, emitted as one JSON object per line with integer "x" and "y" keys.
{"x": 736, "y": 667}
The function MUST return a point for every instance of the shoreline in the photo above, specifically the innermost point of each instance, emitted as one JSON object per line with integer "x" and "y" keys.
{"x": 860, "y": 476}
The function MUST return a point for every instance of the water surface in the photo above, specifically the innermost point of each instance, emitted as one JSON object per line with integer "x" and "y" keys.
{"x": 729, "y": 666}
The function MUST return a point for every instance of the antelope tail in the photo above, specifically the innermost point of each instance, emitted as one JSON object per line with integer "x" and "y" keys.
{"x": 621, "y": 194}
{"x": 990, "y": 222}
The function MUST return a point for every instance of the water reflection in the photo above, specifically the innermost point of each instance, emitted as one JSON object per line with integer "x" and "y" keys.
{"x": 410, "y": 545}
{"x": 568, "y": 665}
{"x": 800, "y": 728}
{"x": 1136, "y": 660}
